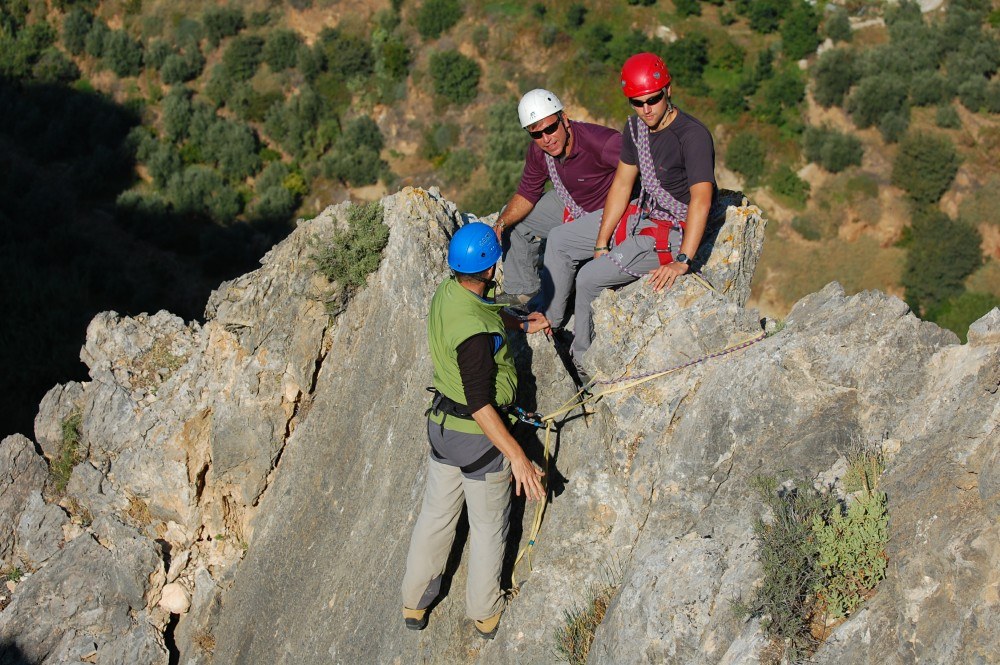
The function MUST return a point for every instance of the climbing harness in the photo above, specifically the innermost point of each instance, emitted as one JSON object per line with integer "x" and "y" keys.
{"x": 622, "y": 383}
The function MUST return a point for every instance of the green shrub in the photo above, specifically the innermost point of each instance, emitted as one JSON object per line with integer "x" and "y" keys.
{"x": 876, "y": 96}
{"x": 435, "y": 17}
{"x": 765, "y": 15}
{"x": 575, "y": 637}
{"x": 941, "y": 253}
{"x": 351, "y": 255}
{"x": 807, "y": 227}
{"x": 688, "y": 57}
{"x": 834, "y": 73}
{"x": 576, "y": 14}
{"x": 787, "y": 183}
{"x": 243, "y": 56}
{"x": 925, "y": 166}
{"x": 392, "y": 55}
{"x": 122, "y": 54}
{"x": 893, "y": 125}
{"x": 93, "y": 45}
{"x": 200, "y": 192}
{"x": 76, "y": 26}
{"x": 455, "y": 77}
{"x": 458, "y": 165}
{"x": 55, "y": 67}
{"x": 61, "y": 467}
{"x": 222, "y": 22}
{"x": 851, "y": 553}
{"x": 183, "y": 67}
{"x": 346, "y": 54}
{"x": 281, "y": 49}
{"x": 746, "y": 155}
{"x": 788, "y": 558}
{"x": 833, "y": 150}
{"x": 799, "y": 32}
{"x": 684, "y": 8}
{"x": 838, "y": 26}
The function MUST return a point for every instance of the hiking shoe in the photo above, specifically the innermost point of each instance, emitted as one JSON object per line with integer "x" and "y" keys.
{"x": 514, "y": 299}
{"x": 487, "y": 628}
{"x": 415, "y": 619}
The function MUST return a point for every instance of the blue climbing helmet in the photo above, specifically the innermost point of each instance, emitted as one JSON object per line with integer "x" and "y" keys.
{"x": 473, "y": 248}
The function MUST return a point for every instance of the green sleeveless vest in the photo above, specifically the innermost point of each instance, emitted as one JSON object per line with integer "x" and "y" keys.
{"x": 456, "y": 315}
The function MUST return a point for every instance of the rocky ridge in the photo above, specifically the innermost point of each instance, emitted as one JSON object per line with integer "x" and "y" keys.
{"x": 246, "y": 487}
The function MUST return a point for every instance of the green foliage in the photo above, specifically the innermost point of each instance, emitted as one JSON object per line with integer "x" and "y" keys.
{"x": 799, "y": 32}
{"x": 838, "y": 26}
{"x": 786, "y": 182}
{"x": 874, "y": 97}
{"x": 941, "y": 254}
{"x": 765, "y": 15}
{"x": 281, "y": 49}
{"x": 21, "y": 52}
{"x": 392, "y": 55}
{"x": 506, "y": 143}
{"x": 454, "y": 76}
{"x": 93, "y": 45}
{"x": 54, "y": 67}
{"x": 835, "y": 72}
{"x": 201, "y": 192}
{"x": 76, "y": 25}
{"x": 778, "y": 99}
{"x": 685, "y": 8}
{"x": 297, "y": 123}
{"x": 355, "y": 159}
{"x": 576, "y": 635}
{"x": 458, "y": 166}
{"x": 851, "y": 553}
{"x": 351, "y": 255}
{"x": 958, "y": 313}
{"x": 437, "y": 140}
{"x": 222, "y": 22}
{"x": 435, "y": 17}
{"x": 61, "y": 467}
{"x": 122, "y": 54}
{"x": 807, "y": 227}
{"x": 746, "y": 155}
{"x": 688, "y": 57}
{"x": 576, "y": 14}
{"x": 183, "y": 67}
{"x": 832, "y": 150}
{"x": 925, "y": 166}
{"x": 346, "y": 54}
{"x": 788, "y": 559}
{"x": 243, "y": 56}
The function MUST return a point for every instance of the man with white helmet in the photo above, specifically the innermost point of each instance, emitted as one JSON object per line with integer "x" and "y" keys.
{"x": 579, "y": 159}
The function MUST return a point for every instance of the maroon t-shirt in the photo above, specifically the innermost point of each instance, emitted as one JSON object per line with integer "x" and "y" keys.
{"x": 683, "y": 153}
{"x": 587, "y": 173}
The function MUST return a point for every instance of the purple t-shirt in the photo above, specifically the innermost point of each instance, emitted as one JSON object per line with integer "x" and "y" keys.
{"x": 587, "y": 173}
{"x": 683, "y": 153}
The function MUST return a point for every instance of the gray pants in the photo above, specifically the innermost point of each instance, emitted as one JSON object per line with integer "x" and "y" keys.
{"x": 521, "y": 244}
{"x": 488, "y": 503}
{"x": 569, "y": 255}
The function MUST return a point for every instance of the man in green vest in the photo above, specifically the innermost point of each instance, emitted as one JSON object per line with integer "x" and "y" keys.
{"x": 473, "y": 455}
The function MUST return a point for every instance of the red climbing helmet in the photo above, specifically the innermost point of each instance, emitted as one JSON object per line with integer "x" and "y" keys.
{"x": 644, "y": 73}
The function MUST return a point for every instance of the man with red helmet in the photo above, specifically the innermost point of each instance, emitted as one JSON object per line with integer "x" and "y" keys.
{"x": 672, "y": 156}
{"x": 580, "y": 160}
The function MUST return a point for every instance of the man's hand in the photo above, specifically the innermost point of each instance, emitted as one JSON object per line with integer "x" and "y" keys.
{"x": 664, "y": 276}
{"x": 528, "y": 477}
{"x": 537, "y": 322}
{"x": 598, "y": 253}
{"x": 498, "y": 228}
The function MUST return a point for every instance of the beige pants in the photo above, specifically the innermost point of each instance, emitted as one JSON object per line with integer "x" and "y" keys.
{"x": 488, "y": 504}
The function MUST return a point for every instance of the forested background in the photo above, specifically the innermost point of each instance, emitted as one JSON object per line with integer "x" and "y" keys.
{"x": 150, "y": 149}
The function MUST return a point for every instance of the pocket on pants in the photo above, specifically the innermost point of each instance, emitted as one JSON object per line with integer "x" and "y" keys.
{"x": 498, "y": 487}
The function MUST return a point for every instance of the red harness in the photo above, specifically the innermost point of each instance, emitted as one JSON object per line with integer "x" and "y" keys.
{"x": 659, "y": 233}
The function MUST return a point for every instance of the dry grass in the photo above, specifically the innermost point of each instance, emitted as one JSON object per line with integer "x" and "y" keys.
{"x": 138, "y": 510}
{"x": 204, "y": 641}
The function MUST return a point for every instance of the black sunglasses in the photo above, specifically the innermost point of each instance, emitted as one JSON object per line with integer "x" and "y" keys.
{"x": 652, "y": 101}
{"x": 551, "y": 129}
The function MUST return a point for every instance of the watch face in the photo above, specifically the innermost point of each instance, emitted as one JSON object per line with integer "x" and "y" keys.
{"x": 682, "y": 258}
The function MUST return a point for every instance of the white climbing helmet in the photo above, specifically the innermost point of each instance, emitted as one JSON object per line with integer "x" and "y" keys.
{"x": 537, "y": 104}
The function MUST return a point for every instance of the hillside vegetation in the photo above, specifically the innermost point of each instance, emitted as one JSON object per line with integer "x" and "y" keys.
{"x": 153, "y": 148}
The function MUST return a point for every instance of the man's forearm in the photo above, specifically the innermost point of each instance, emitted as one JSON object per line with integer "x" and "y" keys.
{"x": 516, "y": 210}
{"x": 697, "y": 217}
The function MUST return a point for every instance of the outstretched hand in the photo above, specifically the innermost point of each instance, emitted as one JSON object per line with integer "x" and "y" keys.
{"x": 537, "y": 322}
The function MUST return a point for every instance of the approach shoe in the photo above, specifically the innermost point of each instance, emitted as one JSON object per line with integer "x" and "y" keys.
{"x": 415, "y": 619}
{"x": 487, "y": 628}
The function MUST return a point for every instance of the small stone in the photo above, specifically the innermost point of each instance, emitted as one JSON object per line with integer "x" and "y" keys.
{"x": 175, "y": 599}
{"x": 11, "y": 585}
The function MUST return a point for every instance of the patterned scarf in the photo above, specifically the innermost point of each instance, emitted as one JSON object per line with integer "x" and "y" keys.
{"x": 661, "y": 203}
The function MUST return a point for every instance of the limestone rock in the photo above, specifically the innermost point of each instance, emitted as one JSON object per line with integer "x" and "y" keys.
{"x": 90, "y": 597}
{"x": 22, "y": 475}
{"x": 40, "y": 530}
{"x": 57, "y": 405}
{"x": 175, "y": 599}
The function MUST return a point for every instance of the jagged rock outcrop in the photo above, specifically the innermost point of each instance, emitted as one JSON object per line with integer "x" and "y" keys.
{"x": 262, "y": 471}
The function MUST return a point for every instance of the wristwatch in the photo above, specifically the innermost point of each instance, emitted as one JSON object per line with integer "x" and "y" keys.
{"x": 683, "y": 258}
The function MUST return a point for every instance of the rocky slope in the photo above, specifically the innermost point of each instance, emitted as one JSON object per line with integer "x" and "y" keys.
{"x": 246, "y": 488}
